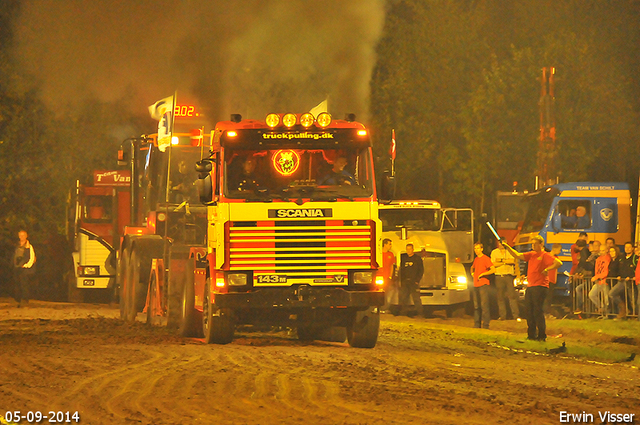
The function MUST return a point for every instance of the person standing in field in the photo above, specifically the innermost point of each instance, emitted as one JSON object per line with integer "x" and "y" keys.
{"x": 24, "y": 259}
{"x": 387, "y": 271}
{"x": 481, "y": 268}
{"x": 539, "y": 263}
{"x": 411, "y": 271}
{"x": 505, "y": 274}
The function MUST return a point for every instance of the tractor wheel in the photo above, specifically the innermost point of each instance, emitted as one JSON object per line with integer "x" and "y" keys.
{"x": 362, "y": 331}
{"x": 217, "y": 324}
{"x": 123, "y": 285}
{"x": 190, "y": 320}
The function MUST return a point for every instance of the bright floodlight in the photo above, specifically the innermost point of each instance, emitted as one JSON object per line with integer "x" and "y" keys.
{"x": 289, "y": 120}
{"x": 272, "y": 120}
{"x": 307, "y": 120}
{"x": 324, "y": 119}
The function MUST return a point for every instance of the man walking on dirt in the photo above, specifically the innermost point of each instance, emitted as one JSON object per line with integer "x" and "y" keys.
{"x": 539, "y": 263}
{"x": 24, "y": 259}
{"x": 411, "y": 271}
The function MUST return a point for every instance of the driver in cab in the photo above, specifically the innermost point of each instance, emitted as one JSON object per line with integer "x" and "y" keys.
{"x": 338, "y": 176}
{"x": 246, "y": 181}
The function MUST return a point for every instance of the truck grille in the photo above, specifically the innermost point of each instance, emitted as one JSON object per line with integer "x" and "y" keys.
{"x": 435, "y": 272}
{"x": 300, "y": 251}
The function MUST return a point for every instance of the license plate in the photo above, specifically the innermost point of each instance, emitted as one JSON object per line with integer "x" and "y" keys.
{"x": 271, "y": 278}
{"x": 88, "y": 282}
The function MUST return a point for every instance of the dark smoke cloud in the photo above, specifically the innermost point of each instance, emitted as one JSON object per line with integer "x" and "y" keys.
{"x": 249, "y": 57}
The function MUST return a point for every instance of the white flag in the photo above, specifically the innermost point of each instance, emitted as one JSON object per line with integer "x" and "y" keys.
{"x": 322, "y": 107}
{"x": 162, "y": 111}
{"x": 161, "y": 107}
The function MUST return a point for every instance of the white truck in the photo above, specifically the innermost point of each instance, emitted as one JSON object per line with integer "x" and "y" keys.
{"x": 443, "y": 238}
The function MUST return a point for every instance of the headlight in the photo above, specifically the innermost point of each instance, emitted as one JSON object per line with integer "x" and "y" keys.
{"x": 360, "y": 278}
{"x": 379, "y": 281}
{"x": 520, "y": 281}
{"x": 236, "y": 279}
{"x": 458, "y": 279}
{"x": 88, "y": 270}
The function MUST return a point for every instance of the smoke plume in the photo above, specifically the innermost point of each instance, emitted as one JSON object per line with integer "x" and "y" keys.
{"x": 246, "y": 56}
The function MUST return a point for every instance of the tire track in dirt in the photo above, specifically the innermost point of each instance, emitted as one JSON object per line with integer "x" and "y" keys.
{"x": 247, "y": 380}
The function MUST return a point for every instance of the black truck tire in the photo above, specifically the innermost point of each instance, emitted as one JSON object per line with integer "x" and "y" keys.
{"x": 153, "y": 319}
{"x": 136, "y": 291}
{"x": 123, "y": 284}
{"x": 362, "y": 330}
{"x": 190, "y": 320}
{"x": 219, "y": 328}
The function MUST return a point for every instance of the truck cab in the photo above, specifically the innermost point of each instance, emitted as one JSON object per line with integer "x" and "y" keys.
{"x": 443, "y": 238}
{"x": 559, "y": 213}
{"x": 101, "y": 211}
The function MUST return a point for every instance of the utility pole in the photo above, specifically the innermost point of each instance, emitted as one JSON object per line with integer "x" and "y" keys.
{"x": 546, "y": 173}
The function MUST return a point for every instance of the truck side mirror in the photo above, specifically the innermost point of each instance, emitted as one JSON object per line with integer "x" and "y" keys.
{"x": 204, "y": 167}
{"x": 205, "y": 189}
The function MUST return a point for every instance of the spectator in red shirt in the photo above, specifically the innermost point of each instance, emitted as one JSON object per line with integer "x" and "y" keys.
{"x": 387, "y": 271}
{"x": 481, "y": 268}
{"x": 539, "y": 263}
{"x": 600, "y": 280}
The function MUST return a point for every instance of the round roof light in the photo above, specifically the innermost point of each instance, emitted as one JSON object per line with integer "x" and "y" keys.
{"x": 289, "y": 120}
{"x": 307, "y": 120}
{"x": 324, "y": 119}
{"x": 272, "y": 120}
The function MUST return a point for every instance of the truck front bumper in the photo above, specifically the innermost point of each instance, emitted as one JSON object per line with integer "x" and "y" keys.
{"x": 299, "y": 297}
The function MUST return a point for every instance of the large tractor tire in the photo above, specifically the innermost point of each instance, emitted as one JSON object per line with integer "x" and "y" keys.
{"x": 174, "y": 302}
{"x": 154, "y": 317}
{"x": 217, "y": 325}
{"x": 362, "y": 330}
{"x": 136, "y": 291}
{"x": 123, "y": 285}
{"x": 191, "y": 319}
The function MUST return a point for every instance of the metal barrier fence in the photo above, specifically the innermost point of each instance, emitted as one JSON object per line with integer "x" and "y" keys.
{"x": 593, "y": 298}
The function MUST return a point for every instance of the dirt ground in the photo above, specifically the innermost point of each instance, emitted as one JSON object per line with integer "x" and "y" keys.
{"x": 65, "y": 357}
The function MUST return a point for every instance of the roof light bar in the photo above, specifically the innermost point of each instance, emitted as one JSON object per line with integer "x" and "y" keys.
{"x": 273, "y": 120}
{"x": 324, "y": 119}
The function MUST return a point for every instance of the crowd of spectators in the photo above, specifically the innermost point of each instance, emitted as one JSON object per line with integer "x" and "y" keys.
{"x": 604, "y": 277}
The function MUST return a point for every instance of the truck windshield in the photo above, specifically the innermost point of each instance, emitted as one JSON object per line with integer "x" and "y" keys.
{"x": 538, "y": 206}
{"x": 180, "y": 163}
{"x": 412, "y": 219}
{"x": 511, "y": 210}
{"x": 318, "y": 174}
{"x": 97, "y": 209}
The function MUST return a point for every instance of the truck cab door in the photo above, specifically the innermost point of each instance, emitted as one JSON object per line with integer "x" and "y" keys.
{"x": 605, "y": 215}
{"x": 457, "y": 232}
